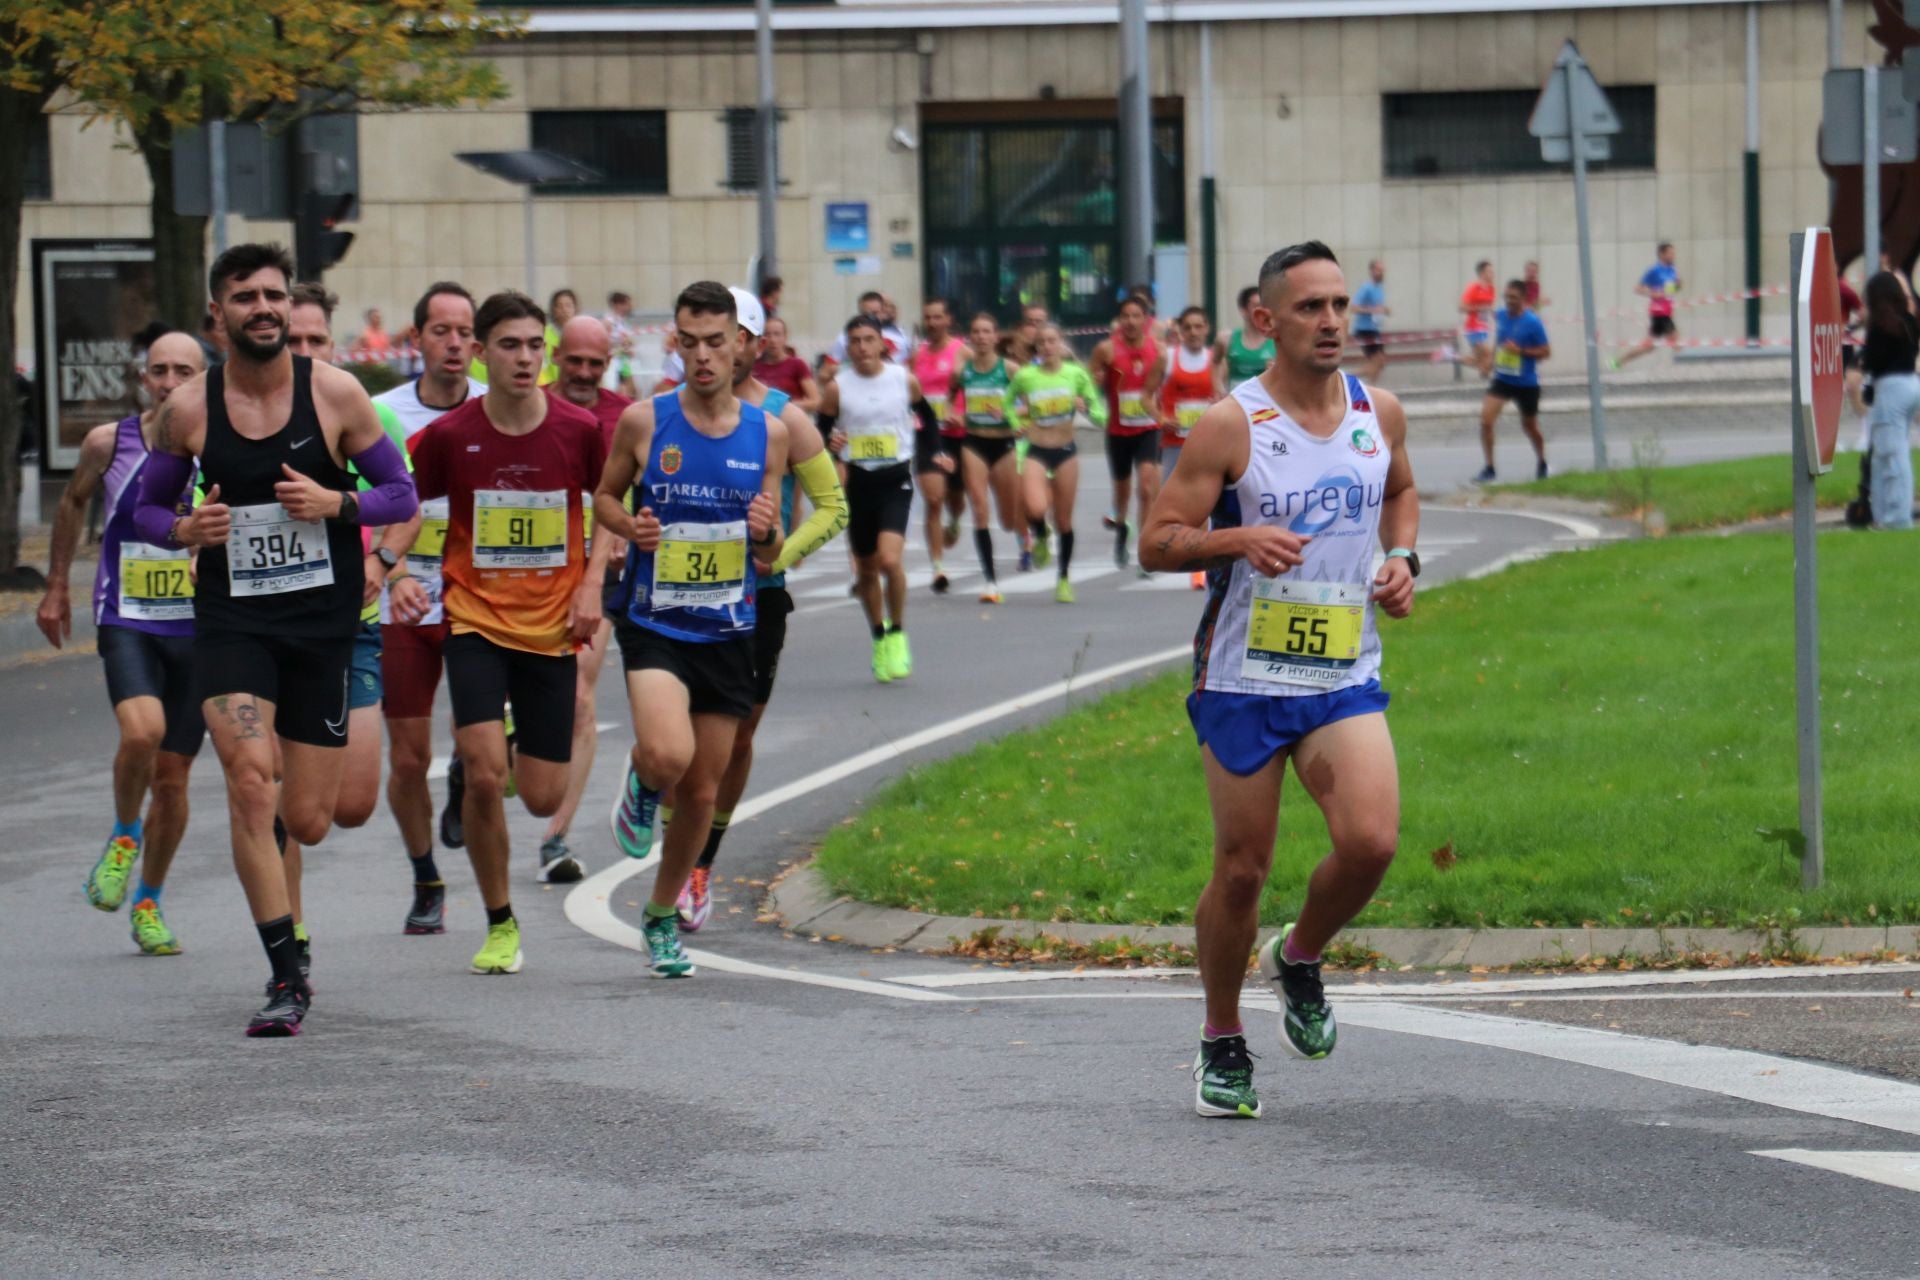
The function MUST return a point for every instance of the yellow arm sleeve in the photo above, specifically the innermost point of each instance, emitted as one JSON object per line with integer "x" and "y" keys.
{"x": 821, "y": 484}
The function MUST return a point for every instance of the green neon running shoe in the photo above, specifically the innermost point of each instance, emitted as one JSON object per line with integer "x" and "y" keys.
{"x": 899, "y": 656}
{"x": 1223, "y": 1079}
{"x": 665, "y": 955}
{"x": 1063, "y": 592}
{"x": 1307, "y": 1027}
{"x": 502, "y": 952}
{"x": 107, "y": 883}
{"x": 1042, "y": 553}
{"x": 883, "y": 659}
{"x": 150, "y": 932}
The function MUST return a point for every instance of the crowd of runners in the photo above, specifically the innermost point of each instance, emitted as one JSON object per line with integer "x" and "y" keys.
{"x": 288, "y": 565}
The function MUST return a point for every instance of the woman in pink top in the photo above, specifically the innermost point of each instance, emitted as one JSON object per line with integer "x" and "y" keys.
{"x": 936, "y": 454}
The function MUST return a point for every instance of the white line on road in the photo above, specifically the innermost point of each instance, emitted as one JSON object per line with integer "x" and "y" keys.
{"x": 1890, "y": 1168}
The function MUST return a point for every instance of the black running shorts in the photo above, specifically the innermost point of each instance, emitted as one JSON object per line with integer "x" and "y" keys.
{"x": 482, "y": 676}
{"x": 304, "y": 677}
{"x": 140, "y": 664}
{"x": 877, "y": 502}
{"x": 719, "y": 676}
{"x": 1125, "y": 452}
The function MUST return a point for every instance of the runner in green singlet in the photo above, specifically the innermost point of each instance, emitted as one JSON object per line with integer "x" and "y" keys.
{"x": 987, "y": 455}
{"x": 1234, "y": 362}
{"x": 1045, "y": 396}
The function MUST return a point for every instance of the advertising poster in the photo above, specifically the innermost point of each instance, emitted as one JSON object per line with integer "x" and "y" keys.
{"x": 90, "y": 297}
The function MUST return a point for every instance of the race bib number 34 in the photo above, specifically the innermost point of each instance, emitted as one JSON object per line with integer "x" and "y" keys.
{"x": 700, "y": 566}
{"x": 1304, "y": 632}
{"x": 155, "y": 585}
{"x": 519, "y": 530}
{"x": 270, "y": 553}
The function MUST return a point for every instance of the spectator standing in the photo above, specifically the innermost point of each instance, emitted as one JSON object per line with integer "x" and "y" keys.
{"x": 1893, "y": 341}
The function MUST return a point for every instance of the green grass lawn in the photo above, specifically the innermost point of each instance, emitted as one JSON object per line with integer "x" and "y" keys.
{"x": 1703, "y": 495}
{"x": 1597, "y": 736}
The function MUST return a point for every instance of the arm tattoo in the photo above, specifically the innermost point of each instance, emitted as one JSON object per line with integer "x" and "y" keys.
{"x": 163, "y": 432}
{"x": 1191, "y": 542}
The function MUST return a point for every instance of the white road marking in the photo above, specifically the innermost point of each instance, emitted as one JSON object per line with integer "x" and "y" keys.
{"x": 1889, "y": 1168}
{"x": 1786, "y": 1083}
{"x": 1574, "y": 525}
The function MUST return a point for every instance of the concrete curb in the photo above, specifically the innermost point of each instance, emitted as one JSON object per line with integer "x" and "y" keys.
{"x": 803, "y": 903}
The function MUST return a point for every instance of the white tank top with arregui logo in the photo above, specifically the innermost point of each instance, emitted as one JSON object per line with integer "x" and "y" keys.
{"x": 877, "y": 417}
{"x": 1310, "y": 630}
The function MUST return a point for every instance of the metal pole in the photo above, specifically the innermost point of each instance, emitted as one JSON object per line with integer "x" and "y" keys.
{"x": 1750, "y": 170}
{"x": 526, "y": 232}
{"x": 1806, "y": 621}
{"x": 217, "y": 183}
{"x": 766, "y": 143}
{"x": 1595, "y": 412}
{"x": 1209, "y": 208}
{"x": 1136, "y": 147}
{"x": 1836, "y": 28}
{"x": 1870, "y": 170}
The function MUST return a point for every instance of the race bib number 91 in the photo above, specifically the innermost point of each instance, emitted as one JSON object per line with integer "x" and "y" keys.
{"x": 269, "y": 553}
{"x": 1304, "y": 633}
{"x": 155, "y": 585}
{"x": 519, "y": 530}
{"x": 700, "y": 566}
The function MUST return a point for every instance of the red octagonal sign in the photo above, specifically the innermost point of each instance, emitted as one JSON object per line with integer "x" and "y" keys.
{"x": 1817, "y": 337}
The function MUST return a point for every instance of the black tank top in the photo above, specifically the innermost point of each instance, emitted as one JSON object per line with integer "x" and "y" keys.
{"x": 282, "y": 564}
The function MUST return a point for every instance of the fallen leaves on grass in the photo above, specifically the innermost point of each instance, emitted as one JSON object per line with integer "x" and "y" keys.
{"x": 1444, "y": 857}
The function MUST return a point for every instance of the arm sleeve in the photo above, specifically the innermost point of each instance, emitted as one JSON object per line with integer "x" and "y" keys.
{"x": 162, "y": 478}
{"x": 924, "y": 412}
{"x": 1016, "y": 389}
{"x": 391, "y": 500}
{"x": 829, "y": 516}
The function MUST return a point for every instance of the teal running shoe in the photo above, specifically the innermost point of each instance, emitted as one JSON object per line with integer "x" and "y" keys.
{"x": 665, "y": 955}
{"x": 633, "y": 819}
{"x": 1307, "y": 1027}
{"x": 1223, "y": 1079}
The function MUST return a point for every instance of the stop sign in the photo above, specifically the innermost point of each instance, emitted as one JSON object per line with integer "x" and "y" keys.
{"x": 1817, "y": 337}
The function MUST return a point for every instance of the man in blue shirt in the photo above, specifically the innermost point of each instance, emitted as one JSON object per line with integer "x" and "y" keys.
{"x": 1658, "y": 286}
{"x": 1369, "y": 308}
{"x": 1520, "y": 343}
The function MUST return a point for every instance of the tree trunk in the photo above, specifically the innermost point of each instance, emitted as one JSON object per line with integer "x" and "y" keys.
{"x": 17, "y": 110}
{"x": 179, "y": 241}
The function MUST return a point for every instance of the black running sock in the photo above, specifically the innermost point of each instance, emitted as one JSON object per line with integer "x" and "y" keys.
{"x": 500, "y": 914}
{"x": 983, "y": 545}
{"x": 719, "y": 831}
{"x": 879, "y": 631}
{"x": 425, "y": 871}
{"x": 1039, "y": 528}
{"x": 1066, "y": 553}
{"x": 1120, "y": 542}
{"x": 279, "y": 835}
{"x": 283, "y": 953}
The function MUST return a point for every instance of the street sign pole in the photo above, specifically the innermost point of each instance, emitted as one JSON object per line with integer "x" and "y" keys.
{"x": 1870, "y": 160}
{"x": 1805, "y": 597}
{"x": 1596, "y": 412}
{"x": 217, "y": 182}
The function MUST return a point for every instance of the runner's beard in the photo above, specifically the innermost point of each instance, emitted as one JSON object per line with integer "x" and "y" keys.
{"x": 243, "y": 343}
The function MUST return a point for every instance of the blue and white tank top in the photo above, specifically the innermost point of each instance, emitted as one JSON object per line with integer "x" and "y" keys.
{"x": 700, "y": 584}
{"x": 1310, "y": 630}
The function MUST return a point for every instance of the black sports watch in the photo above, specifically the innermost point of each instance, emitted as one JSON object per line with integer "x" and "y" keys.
{"x": 389, "y": 557}
{"x": 1412, "y": 557}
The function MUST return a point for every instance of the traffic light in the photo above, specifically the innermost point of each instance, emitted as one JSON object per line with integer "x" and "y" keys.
{"x": 317, "y": 243}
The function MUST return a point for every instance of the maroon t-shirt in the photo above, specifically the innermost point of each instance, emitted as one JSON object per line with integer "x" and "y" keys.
{"x": 783, "y": 375}
{"x": 515, "y": 554}
{"x": 606, "y": 411}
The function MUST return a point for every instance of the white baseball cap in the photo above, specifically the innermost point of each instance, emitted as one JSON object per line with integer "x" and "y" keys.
{"x": 753, "y": 316}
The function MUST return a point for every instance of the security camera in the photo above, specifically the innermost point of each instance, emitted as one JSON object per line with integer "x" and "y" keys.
{"x": 902, "y": 137}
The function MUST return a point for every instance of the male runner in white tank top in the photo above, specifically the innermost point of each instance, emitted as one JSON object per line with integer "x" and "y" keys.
{"x": 1300, "y": 471}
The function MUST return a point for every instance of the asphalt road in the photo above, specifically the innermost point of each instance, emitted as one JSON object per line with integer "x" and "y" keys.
{"x": 803, "y": 1108}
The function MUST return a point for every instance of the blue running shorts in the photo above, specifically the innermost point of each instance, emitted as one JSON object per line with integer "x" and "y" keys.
{"x": 1245, "y": 730}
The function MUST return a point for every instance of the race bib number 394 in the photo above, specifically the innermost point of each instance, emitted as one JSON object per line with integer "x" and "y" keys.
{"x": 270, "y": 553}
{"x": 700, "y": 565}
{"x": 1305, "y": 633}
{"x": 155, "y": 585}
{"x": 513, "y": 529}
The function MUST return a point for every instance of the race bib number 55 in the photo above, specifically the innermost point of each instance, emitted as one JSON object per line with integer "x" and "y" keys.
{"x": 270, "y": 553}
{"x": 700, "y": 565}
{"x": 519, "y": 530}
{"x": 1304, "y": 632}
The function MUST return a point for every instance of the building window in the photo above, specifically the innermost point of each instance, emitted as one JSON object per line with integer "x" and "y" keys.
{"x": 1484, "y": 133}
{"x": 627, "y": 148}
{"x": 743, "y": 156}
{"x": 39, "y": 159}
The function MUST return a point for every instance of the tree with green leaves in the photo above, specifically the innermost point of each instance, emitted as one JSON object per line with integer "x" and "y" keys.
{"x": 157, "y": 68}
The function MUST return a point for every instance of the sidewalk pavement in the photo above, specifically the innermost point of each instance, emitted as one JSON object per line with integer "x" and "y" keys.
{"x": 806, "y": 905}
{"x": 20, "y": 636}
